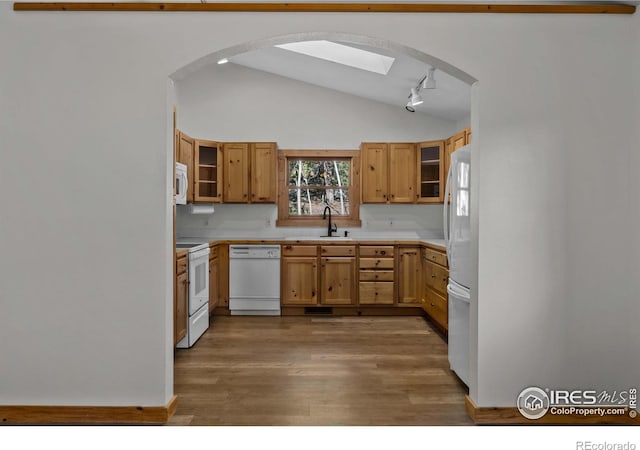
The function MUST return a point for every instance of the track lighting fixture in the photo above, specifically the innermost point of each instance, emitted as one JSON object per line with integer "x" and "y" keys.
{"x": 429, "y": 81}
{"x": 415, "y": 97}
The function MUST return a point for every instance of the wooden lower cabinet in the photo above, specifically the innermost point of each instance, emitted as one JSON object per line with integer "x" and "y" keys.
{"x": 223, "y": 276}
{"x": 377, "y": 275}
{"x": 299, "y": 281}
{"x": 409, "y": 276}
{"x": 338, "y": 281}
{"x": 214, "y": 281}
{"x": 180, "y": 307}
{"x": 435, "y": 276}
{"x": 376, "y": 293}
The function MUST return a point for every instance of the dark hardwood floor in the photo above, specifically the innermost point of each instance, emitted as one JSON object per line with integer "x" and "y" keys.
{"x": 318, "y": 371}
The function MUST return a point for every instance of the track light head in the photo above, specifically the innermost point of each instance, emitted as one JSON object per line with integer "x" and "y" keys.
{"x": 409, "y": 107}
{"x": 429, "y": 81}
{"x": 415, "y": 97}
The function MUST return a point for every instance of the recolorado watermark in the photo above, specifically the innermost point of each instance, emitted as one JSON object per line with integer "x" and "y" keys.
{"x": 589, "y": 445}
{"x": 534, "y": 403}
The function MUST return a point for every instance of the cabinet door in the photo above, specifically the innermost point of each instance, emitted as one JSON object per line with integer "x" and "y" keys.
{"x": 409, "y": 274}
{"x": 402, "y": 173}
{"x": 431, "y": 175}
{"x": 223, "y": 276}
{"x": 263, "y": 172}
{"x": 436, "y": 307}
{"x": 338, "y": 281}
{"x": 180, "y": 308}
{"x": 375, "y": 173}
{"x": 236, "y": 173}
{"x": 214, "y": 275}
{"x": 186, "y": 148}
{"x": 208, "y": 172}
{"x": 300, "y": 281}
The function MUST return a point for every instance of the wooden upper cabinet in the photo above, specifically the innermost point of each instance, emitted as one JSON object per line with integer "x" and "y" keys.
{"x": 235, "y": 172}
{"x": 459, "y": 139}
{"x": 431, "y": 171}
{"x": 402, "y": 172}
{"x": 264, "y": 172}
{"x": 375, "y": 172}
{"x": 185, "y": 155}
{"x": 208, "y": 171}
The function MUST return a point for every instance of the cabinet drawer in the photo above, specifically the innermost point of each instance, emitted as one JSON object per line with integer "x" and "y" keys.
{"x": 376, "y": 275}
{"x": 435, "y": 256}
{"x": 373, "y": 293}
{"x": 299, "y": 250}
{"x": 437, "y": 277}
{"x": 380, "y": 252}
{"x": 376, "y": 263}
{"x": 181, "y": 265}
{"x": 338, "y": 250}
{"x": 213, "y": 252}
{"x": 436, "y": 306}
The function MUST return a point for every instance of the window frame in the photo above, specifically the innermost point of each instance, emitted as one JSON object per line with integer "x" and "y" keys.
{"x": 285, "y": 219}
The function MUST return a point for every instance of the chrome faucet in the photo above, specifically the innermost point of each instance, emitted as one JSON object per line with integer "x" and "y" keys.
{"x": 330, "y": 229}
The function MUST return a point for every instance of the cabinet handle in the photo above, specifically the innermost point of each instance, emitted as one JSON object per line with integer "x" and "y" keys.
{"x": 433, "y": 305}
{"x": 433, "y": 275}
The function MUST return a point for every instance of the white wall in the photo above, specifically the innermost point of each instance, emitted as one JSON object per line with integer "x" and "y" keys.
{"x": 84, "y": 93}
{"x": 235, "y": 103}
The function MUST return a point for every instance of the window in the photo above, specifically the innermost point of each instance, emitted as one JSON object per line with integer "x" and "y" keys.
{"x": 311, "y": 180}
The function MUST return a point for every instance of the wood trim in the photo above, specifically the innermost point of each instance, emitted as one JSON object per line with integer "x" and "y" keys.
{"x": 34, "y": 414}
{"x": 511, "y": 415}
{"x": 284, "y": 220}
{"x": 328, "y": 154}
{"x": 330, "y": 7}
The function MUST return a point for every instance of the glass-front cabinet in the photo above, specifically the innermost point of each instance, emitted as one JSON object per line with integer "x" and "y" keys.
{"x": 208, "y": 172}
{"x": 431, "y": 176}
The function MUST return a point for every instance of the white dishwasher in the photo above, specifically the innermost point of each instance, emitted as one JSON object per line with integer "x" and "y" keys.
{"x": 254, "y": 280}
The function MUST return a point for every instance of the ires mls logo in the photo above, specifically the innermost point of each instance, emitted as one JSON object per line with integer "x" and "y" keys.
{"x": 534, "y": 402}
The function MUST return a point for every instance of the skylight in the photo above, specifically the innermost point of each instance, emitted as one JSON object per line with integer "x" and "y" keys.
{"x": 342, "y": 54}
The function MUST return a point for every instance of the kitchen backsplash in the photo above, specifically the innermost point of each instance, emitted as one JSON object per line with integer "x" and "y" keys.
{"x": 259, "y": 220}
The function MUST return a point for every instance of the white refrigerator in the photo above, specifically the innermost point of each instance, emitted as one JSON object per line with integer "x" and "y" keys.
{"x": 457, "y": 234}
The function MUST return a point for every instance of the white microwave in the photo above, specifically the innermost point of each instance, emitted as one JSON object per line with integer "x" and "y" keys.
{"x": 181, "y": 184}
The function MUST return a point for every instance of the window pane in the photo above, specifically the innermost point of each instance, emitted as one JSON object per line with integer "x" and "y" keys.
{"x": 319, "y": 173}
{"x": 311, "y": 202}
